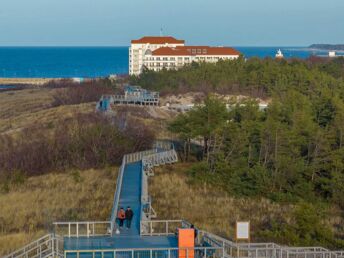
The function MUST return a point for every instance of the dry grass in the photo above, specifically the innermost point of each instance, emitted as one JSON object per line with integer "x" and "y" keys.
{"x": 25, "y": 108}
{"x": 207, "y": 207}
{"x": 214, "y": 210}
{"x": 17, "y": 240}
{"x": 20, "y": 102}
{"x": 29, "y": 209}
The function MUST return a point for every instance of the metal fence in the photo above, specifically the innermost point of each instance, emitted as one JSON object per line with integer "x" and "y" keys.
{"x": 83, "y": 229}
{"x": 264, "y": 250}
{"x": 160, "y": 227}
{"x": 137, "y": 156}
{"x": 160, "y": 158}
{"x": 163, "y": 145}
{"x": 46, "y": 246}
{"x": 165, "y": 155}
{"x": 197, "y": 252}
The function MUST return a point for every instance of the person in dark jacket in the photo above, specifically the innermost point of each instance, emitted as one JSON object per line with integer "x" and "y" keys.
{"x": 129, "y": 214}
{"x": 195, "y": 230}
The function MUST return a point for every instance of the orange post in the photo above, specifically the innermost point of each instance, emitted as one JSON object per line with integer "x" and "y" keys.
{"x": 186, "y": 242}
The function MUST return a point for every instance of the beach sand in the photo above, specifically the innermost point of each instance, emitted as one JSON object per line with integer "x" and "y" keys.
{"x": 31, "y": 81}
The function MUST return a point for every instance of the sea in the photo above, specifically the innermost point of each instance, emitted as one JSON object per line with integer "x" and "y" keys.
{"x": 92, "y": 62}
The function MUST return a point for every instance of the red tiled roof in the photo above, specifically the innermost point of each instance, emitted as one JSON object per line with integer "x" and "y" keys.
{"x": 157, "y": 40}
{"x": 195, "y": 50}
{"x": 167, "y": 51}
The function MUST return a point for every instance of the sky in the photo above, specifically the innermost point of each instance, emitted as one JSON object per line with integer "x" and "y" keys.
{"x": 200, "y": 22}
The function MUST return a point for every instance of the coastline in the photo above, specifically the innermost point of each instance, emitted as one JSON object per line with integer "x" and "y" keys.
{"x": 26, "y": 81}
{"x": 325, "y": 50}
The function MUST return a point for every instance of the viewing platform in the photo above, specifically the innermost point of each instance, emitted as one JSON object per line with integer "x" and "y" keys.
{"x": 133, "y": 95}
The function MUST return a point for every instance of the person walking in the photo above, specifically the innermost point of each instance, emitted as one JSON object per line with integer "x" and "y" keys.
{"x": 121, "y": 217}
{"x": 195, "y": 233}
{"x": 129, "y": 214}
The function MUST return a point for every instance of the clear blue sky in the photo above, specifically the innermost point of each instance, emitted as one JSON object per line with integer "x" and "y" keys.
{"x": 215, "y": 22}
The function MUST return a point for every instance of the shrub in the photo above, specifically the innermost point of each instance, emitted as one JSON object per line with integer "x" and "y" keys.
{"x": 69, "y": 93}
{"x": 86, "y": 141}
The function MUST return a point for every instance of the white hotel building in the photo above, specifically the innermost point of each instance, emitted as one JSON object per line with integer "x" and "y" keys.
{"x": 157, "y": 53}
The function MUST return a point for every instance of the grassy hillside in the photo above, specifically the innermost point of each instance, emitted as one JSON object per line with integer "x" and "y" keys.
{"x": 210, "y": 208}
{"x": 30, "y": 107}
{"x": 28, "y": 209}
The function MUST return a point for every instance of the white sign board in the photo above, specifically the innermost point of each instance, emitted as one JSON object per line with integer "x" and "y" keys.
{"x": 243, "y": 230}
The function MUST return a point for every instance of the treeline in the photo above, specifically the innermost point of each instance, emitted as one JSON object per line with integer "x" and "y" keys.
{"x": 291, "y": 152}
{"x": 84, "y": 141}
{"x": 255, "y": 77}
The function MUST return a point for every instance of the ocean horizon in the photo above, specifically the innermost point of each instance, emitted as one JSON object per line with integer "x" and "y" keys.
{"x": 93, "y": 62}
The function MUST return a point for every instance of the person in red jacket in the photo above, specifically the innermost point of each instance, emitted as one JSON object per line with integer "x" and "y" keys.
{"x": 121, "y": 217}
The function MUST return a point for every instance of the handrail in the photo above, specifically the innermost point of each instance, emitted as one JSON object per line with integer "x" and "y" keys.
{"x": 83, "y": 228}
{"x": 165, "y": 153}
{"x": 47, "y": 245}
{"x": 117, "y": 195}
{"x": 255, "y": 248}
{"x": 130, "y": 98}
{"x": 187, "y": 252}
{"x": 143, "y": 249}
{"x": 161, "y": 227}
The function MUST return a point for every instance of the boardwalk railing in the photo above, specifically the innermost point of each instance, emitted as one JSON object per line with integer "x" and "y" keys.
{"x": 264, "y": 250}
{"x": 160, "y": 158}
{"x": 46, "y": 246}
{"x": 165, "y": 155}
{"x": 163, "y": 145}
{"x": 137, "y": 156}
{"x": 129, "y": 158}
{"x": 141, "y": 99}
{"x": 162, "y": 227}
{"x": 340, "y": 254}
{"x": 83, "y": 229}
{"x": 196, "y": 252}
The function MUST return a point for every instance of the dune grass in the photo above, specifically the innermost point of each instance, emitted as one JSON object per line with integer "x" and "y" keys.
{"x": 212, "y": 209}
{"x": 19, "y": 102}
{"x": 28, "y": 210}
{"x": 25, "y": 108}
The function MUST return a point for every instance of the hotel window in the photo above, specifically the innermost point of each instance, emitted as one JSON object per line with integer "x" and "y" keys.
{"x": 158, "y": 58}
{"x": 199, "y": 51}
{"x": 165, "y": 59}
{"x": 186, "y": 58}
{"x": 172, "y": 58}
{"x": 180, "y": 58}
{"x": 208, "y": 58}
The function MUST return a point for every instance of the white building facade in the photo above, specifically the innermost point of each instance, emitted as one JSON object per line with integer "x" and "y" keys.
{"x": 141, "y": 47}
{"x": 157, "y": 53}
{"x": 174, "y": 58}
